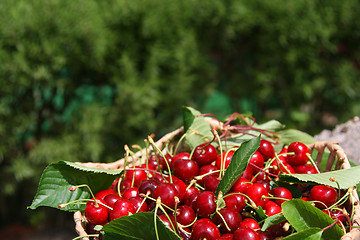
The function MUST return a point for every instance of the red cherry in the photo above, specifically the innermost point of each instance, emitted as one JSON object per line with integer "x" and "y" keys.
{"x": 205, "y": 204}
{"x": 205, "y": 229}
{"x": 325, "y": 194}
{"x": 235, "y": 201}
{"x": 180, "y": 187}
{"x": 301, "y": 154}
{"x": 225, "y": 157}
{"x": 96, "y": 213}
{"x": 167, "y": 193}
{"x": 280, "y": 192}
{"x": 271, "y": 208}
{"x": 185, "y": 215}
{"x": 250, "y": 223}
{"x": 211, "y": 183}
{"x": 191, "y": 199}
{"x": 256, "y": 162}
{"x": 130, "y": 193}
{"x": 148, "y": 185}
{"x": 103, "y": 193}
{"x": 207, "y": 169}
{"x": 305, "y": 169}
{"x": 167, "y": 222}
{"x": 185, "y": 169}
{"x": 140, "y": 175}
{"x": 256, "y": 192}
{"x": 122, "y": 207}
{"x": 230, "y": 217}
{"x": 204, "y": 154}
{"x": 226, "y": 236}
{"x": 139, "y": 204}
{"x": 266, "y": 149}
{"x": 245, "y": 234}
{"x": 111, "y": 199}
{"x": 155, "y": 159}
{"x": 241, "y": 185}
{"x": 188, "y": 193}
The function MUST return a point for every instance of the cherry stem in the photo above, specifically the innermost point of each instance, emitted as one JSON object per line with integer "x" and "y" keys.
{"x": 248, "y": 198}
{"x": 151, "y": 141}
{"x": 178, "y": 143}
{"x": 153, "y": 199}
{"x": 155, "y": 220}
{"x": 312, "y": 162}
{"x": 223, "y": 219}
{"x": 331, "y": 225}
{"x": 91, "y": 193}
{"x": 340, "y": 201}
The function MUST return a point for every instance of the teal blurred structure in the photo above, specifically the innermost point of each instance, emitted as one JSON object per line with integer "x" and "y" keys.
{"x": 79, "y": 79}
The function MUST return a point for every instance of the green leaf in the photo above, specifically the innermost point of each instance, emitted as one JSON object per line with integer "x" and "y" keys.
{"x": 192, "y": 121}
{"x": 272, "y": 220}
{"x": 293, "y": 135}
{"x": 346, "y": 178}
{"x": 56, "y": 179}
{"x": 238, "y": 164}
{"x": 138, "y": 226}
{"x": 308, "y": 234}
{"x": 302, "y": 216}
{"x": 271, "y": 125}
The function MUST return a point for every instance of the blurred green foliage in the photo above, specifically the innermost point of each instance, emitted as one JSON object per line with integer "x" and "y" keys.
{"x": 79, "y": 79}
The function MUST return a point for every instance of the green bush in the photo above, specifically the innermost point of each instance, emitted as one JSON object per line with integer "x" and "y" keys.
{"x": 79, "y": 79}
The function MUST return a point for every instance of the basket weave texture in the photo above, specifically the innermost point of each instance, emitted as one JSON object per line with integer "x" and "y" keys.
{"x": 337, "y": 156}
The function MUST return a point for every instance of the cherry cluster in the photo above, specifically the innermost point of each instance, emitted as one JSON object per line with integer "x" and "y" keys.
{"x": 181, "y": 188}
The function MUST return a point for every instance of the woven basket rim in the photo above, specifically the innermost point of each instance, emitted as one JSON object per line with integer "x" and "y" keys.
{"x": 336, "y": 152}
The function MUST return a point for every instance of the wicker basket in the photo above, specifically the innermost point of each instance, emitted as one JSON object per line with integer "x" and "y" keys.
{"x": 337, "y": 156}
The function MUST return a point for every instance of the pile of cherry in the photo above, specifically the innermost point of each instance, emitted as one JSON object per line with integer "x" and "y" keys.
{"x": 180, "y": 189}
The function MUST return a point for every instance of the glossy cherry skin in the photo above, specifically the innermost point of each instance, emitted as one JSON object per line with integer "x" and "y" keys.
{"x": 211, "y": 183}
{"x": 245, "y": 234}
{"x": 185, "y": 215}
{"x": 271, "y": 208}
{"x": 256, "y": 162}
{"x": 235, "y": 201}
{"x": 191, "y": 200}
{"x": 204, "y": 154}
{"x": 305, "y": 169}
{"x": 180, "y": 187}
{"x": 207, "y": 170}
{"x": 188, "y": 193}
{"x": 154, "y": 161}
{"x": 300, "y": 157}
{"x": 250, "y": 223}
{"x": 205, "y": 229}
{"x": 130, "y": 193}
{"x": 139, "y": 204}
{"x": 96, "y": 214}
{"x": 266, "y": 149}
{"x": 185, "y": 169}
{"x": 205, "y": 204}
{"x": 256, "y": 192}
{"x": 103, "y": 193}
{"x": 325, "y": 194}
{"x": 140, "y": 175}
{"x": 232, "y": 219}
{"x": 167, "y": 193}
{"x": 241, "y": 185}
{"x": 111, "y": 199}
{"x": 167, "y": 222}
{"x": 122, "y": 207}
{"x": 148, "y": 185}
{"x": 225, "y": 157}
{"x": 280, "y": 192}
{"x": 227, "y": 236}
